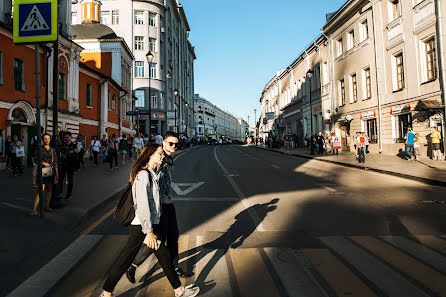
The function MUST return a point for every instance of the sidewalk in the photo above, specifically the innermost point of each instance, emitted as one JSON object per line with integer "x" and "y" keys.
{"x": 424, "y": 170}
{"x": 27, "y": 242}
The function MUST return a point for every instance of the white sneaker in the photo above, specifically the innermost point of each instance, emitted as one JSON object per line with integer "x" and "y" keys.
{"x": 189, "y": 291}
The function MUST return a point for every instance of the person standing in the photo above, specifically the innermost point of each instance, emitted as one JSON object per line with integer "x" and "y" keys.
{"x": 95, "y": 148}
{"x": 168, "y": 213}
{"x": 307, "y": 143}
{"x": 146, "y": 227}
{"x": 320, "y": 143}
{"x": 48, "y": 157}
{"x": 360, "y": 144}
{"x": 112, "y": 147}
{"x": 8, "y": 153}
{"x": 138, "y": 144}
{"x": 436, "y": 140}
{"x": 130, "y": 146}
{"x": 123, "y": 147}
{"x": 68, "y": 160}
{"x": 104, "y": 145}
{"x": 409, "y": 137}
{"x": 81, "y": 150}
{"x": 17, "y": 153}
{"x": 416, "y": 146}
{"x": 335, "y": 144}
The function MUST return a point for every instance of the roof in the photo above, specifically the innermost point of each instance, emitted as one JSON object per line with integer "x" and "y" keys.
{"x": 93, "y": 31}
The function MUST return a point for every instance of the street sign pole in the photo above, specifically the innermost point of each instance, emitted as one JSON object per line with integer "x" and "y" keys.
{"x": 39, "y": 161}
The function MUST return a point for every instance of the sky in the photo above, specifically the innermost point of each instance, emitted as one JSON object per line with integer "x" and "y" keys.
{"x": 240, "y": 45}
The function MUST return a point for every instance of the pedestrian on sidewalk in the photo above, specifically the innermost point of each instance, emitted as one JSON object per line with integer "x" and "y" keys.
{"x": 104, "y": 146}
{"x": 328, "y": 147}
{"x": 409, "y": 137}
{"x": 158, "y": 138}
{"x": 123, "y": 147}
{"x": 130, "y": 146}
{"x": 168, "y": 214}
{"x": 81, "y": 150}
{"x": 436, "y": 140}
{"x": 320, "y": 143}
{"x": 335, "y": 144}
{"x": 112, "y": 147}
{"x": 95, "y": 148}
{"x": 307, "y": 143}
{"x": 68, "y": 163}
{"x": 48, "y": 156}
{"x": 354, "y": 142}
{"x": 416, "y": 146}
{"x": 17, "y": 153}
{"x": 8, "y": 153}
{"x": 147, "y": 227}
{"x": 138, "y": 144}
{"x": 360, "y": 144}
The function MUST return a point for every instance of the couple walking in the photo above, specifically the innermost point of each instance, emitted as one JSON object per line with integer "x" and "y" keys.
{"x": 154, "y": 228}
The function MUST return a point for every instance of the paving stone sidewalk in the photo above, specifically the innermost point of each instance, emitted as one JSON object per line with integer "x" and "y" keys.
{"x": 425, "y": 170}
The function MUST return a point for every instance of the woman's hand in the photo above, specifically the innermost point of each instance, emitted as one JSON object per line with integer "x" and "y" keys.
{"x": 56, "y": 178}
{"x": 150, "y": 241}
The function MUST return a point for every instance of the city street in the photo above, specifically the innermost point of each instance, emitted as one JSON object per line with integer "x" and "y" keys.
{"x": 259, "y": 223}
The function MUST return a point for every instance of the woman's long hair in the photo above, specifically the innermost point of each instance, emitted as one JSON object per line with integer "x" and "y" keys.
{"x": 142, "y": 160}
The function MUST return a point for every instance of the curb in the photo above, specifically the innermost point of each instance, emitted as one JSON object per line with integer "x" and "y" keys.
{"x": 91, "y": 212}
{"x": 433, "y": 182}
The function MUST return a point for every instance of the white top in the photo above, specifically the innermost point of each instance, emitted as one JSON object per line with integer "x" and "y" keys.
{"x": 158, "y": 139}
{"x": 95, "y": 145}
{"x": 138, "y": 142}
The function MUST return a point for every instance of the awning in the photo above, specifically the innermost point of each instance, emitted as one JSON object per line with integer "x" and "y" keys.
{"x": 428, "y": 104}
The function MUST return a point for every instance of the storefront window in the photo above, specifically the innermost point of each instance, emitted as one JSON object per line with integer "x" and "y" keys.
{"x": 372, "y": 131}
{"x": 402, "y": 122}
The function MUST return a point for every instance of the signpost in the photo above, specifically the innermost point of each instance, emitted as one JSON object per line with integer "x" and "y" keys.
{"x": 269, "y": 115}
{"x": 35, "y": 21}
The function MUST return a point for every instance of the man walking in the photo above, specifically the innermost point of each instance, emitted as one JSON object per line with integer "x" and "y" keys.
{"x": 168, "y": 214}
{"x": 409, "y": 137}
{"x": 68, "y": 164}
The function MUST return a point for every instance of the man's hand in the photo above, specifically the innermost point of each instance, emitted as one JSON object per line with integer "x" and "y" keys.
{"x": 150, "y": 241}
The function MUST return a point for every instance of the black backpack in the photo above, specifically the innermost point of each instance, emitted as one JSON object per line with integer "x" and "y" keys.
{"x": 123, "y": 144}
{"x": 125, "y": 211}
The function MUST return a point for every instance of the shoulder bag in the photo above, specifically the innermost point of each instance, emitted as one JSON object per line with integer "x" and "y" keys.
{"x": 48, "y": 171}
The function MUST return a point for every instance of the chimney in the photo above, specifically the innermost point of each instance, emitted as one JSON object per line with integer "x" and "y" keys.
{"x": 90, "y": 11}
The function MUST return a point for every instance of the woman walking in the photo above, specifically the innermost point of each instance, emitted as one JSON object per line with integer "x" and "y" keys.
{"x": 138, "y": 143}
{"x": 95, "y": 148}
{"x": 145, "y": 227}
{"x": 104, "y": 145}
{"x": 49, "y": 163}
{"x": 80, "y": 148}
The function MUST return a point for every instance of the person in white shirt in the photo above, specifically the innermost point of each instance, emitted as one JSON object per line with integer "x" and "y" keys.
{"x": 158, "y": 139}
{"x": 95, "y": 148}
{"x": 138, "y": 144}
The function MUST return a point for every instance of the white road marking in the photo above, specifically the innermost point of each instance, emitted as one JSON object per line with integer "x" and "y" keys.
{"x": 275, "y": 166}
{"x": 242, "y": 196}
{"x": 41, "y": 282}
{"x": 192, "y": 186}
{"x": 16, "y": 206}
{"x": 200, "y": 199}
{"x": 245, "y": 154}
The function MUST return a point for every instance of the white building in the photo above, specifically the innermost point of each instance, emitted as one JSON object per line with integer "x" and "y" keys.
{"x": 159, "y": 27}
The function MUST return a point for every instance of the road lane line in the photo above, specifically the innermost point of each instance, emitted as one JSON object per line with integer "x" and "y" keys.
{"x": 275, "y": 166}
{"x": 248, "y": 155}
{"x": 41, "y": 282}
{"x": 242, "y": 196}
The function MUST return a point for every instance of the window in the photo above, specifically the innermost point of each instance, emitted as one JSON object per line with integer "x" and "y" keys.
{"x": 139, "y": 94}
{"x": 431, "y": 72}
{"x": 351, "y": 39}
{"x": 342, "y": 92}
{"x": 398, "y": 72}
{"x": 88, "y": 10}
{"x": 394, "y": 10}
{"x": 19, "y": 75}
{"x": 339, "y": 48}
{"x": 105, "y": 17}
{"x": 139, "y": 17}
{"x": 109, "y": 100}
{"x": 363, "y": 31}
{"x": 113, "y": 101}
{"x": 354, "y": 88}
{"x": 74, "y": 17}
{"x": 62, "y": 84}
{"x": 152, "y": 19}
{"x": 152, "y": 44}
{"x": 366, "y": 83}
{"x": 154, "y": 101}
{"x": 95, "y": 12}
{"x": 372, "y": 131}
{"x": 153, "y": 70}
{"x": 88, "y": 95}
{"x": 139, "y": 69}
{"x": 139, "y": 43}
{"x": 1, "y": 68}
{"x": 115, "y": 17}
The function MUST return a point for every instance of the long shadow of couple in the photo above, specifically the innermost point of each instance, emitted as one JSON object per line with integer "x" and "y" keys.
{"x": 234, "y": 237}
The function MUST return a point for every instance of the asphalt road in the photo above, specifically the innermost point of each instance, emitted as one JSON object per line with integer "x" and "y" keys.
{"x": 259, "y": 223}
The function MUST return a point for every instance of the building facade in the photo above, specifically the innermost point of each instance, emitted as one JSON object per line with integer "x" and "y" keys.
{"x": 167, "y": 82}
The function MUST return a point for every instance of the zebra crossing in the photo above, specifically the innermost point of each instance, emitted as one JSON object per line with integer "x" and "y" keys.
{"x": 363, "y": 266}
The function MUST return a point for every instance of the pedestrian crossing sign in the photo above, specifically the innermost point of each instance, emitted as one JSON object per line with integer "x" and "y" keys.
{"x": 35, "y": 21}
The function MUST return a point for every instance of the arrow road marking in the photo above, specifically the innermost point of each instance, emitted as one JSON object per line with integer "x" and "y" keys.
{"x": 191, "y": 187}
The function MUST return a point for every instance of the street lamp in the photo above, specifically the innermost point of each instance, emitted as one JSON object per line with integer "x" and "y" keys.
{"x": 255, "y": 121}
{"x": 310, "y": 75}
{"x": 187, "y": 115}
{"x": 149, "y": 57}
{"x": 175, "y": 93}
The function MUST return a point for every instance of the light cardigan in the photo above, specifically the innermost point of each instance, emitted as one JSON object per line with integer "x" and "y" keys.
{"x": 147, "y": 199}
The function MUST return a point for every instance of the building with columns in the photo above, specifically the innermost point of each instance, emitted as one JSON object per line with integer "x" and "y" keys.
{"x": 167, "y": 82}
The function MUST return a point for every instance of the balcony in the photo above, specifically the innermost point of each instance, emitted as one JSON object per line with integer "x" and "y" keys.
{"x": 423, "y": 15}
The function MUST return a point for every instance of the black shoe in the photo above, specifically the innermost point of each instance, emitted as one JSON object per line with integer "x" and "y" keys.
{"x": 183, "y": 273}
{"x": 130, "y": 273}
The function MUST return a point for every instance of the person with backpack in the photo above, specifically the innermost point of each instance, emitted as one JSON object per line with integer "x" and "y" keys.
{"x": 168, "y": 213}
{"x": 112, "y": 147}
{"x": 95, "y": 148}
{"x": 123, "y": 147}
{"x": 146, "y": 226}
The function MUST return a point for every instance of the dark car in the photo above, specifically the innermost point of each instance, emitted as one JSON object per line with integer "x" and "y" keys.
{"x": 213, "y": 141}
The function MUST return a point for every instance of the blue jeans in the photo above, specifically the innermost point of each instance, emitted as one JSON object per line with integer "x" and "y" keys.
{"x": 361, "y": 154}
{"x": 409, "y": 150}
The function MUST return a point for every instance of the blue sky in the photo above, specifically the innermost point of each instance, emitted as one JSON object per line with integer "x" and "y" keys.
{"x": 240, "y": 45}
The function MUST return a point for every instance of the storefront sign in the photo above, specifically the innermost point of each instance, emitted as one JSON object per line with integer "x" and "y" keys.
{"x": 170, "y": 123}
{"x": 368, "y": 115}
{"x": 171, "y": 114}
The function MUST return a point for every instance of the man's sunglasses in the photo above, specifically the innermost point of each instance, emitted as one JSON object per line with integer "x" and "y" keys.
{"x": 173, "y": 144}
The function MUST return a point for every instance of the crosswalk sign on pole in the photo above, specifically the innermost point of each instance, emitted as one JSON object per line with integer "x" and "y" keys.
{"x": 35, "y": 21}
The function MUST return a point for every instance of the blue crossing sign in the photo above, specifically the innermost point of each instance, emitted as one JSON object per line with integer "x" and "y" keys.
{"x": 35, "y": 21}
